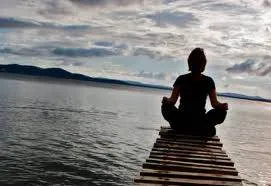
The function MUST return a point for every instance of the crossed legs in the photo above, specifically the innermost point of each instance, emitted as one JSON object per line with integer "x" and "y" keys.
{"x": 193, "y": 124}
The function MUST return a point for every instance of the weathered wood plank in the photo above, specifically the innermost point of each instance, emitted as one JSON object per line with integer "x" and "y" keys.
{"x": 171, "y": 133}
{"x": 214, "y": 143}
{"x": 168, "y": 128}
{"x": 196, "y": 160}
{"x": 187, "y": 163}
{"x": 177, "y": 147}
{"x": 188, "y": 144}
{"x": 189, "y": 151}
{"x": 178, "y": 159}
{"x": 182, "y": 181}
{"x": 189, "y": 175}
{"x": 191, "y": 155}
{"x": 151, "y": 184}
{"x": 185, "y": 168}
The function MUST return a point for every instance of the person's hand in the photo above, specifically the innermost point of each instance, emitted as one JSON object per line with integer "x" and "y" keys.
{"x": 224, "y": 106}
{"x": 165, "y": 100}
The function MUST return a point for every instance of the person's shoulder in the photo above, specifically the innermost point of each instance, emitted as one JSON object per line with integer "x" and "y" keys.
{"x": 181, "y": 79}
{"x": 208, "y": 78}
{"x": 184, "y": 76}
{"x": 209, "y": 81}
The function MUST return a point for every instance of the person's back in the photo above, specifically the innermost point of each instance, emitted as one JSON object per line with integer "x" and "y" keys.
{"x": 193, "y": 92}
{"x": 193, "y": 89}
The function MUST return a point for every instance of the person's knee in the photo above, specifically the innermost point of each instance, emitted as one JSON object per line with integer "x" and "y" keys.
{"x": 167, "y": 107}
{"x": 169, "y": 112}
{"x": 216, "y": 116}
{"x": 220, "y": 115}
{"x": 166, "y": 110}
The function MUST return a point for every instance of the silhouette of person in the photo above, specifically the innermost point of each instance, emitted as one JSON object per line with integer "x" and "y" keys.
{"x": 193, "y": 88}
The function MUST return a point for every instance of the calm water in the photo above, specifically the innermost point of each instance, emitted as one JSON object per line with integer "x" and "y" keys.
{"x": 71, "y": 134}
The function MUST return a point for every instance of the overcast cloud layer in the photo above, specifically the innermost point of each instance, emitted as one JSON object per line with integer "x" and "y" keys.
{"x": 142, "y": 40}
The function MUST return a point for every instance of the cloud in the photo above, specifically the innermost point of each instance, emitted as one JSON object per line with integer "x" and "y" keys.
{"x": 82, "y": 52}
{"x": 145, "y": 52}
{"x": 228, "y": 30}
{"x": 106, "y": 2}
{"x": 266, "y": 3}
{"x": 23, "y": 51}
{"x": 247, "y": 66}
{"x": 179, "y": 19}
{"x": 155, "y": 75}
{"x": 98, "y": 49}
{"x": 72, "y": 63}
{"x": 9, "y": 22}
{"x": 251, "y": 67}
{"x": 57, "y": 8}
{"x": 155, "y": 52}
{"x": 104, "y": 43}
{"x": 6, "y": 22}
{"x": 266, "y": 71}
{"x": 113, "y": 45}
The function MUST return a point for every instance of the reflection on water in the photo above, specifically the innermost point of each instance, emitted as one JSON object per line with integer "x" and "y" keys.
{"x": 82, "y": 135}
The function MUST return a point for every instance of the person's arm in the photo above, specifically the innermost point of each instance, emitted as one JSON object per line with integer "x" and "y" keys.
{"x": 174, "y": 96}
{"x": 215, "y": 103}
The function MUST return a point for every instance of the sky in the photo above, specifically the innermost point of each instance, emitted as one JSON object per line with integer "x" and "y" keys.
{"x": 143, "y": 40}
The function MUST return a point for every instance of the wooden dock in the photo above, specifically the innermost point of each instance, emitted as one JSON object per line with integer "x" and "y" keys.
{"x": 187, "y": 160}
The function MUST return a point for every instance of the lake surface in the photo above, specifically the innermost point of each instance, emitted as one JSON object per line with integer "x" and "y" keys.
{"x": 72, "y": 134}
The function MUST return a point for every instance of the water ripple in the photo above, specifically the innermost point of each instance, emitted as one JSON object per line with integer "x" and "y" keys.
{"x": 55, "y": 136}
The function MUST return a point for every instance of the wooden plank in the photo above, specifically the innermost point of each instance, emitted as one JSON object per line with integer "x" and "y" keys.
{"x": 197, "y": 160}
{"x": 187, "y": 144}
{"x": 193, "y": 151}
{"x": 178, "y": 159}
{"x": 215, "y": 161}
{"x": 161, "y": 149}
{"x": 191, "y": 155}
{"x": 189, "y": 175}
{"x": 182, "y": 181}
{"x": 181, "y": 136}
{"x": 150, "y": 184}
{"x": 187, "y": 163}
{"x": 214, "y": 143}
{"x": 205, "y": 144}
{"x": 165, "y": 128}
{"x": 180, "y": 147}
{"x": 184, "y": 162}
{"x": 185, "y": 168}
{"x": 170, "y": 132}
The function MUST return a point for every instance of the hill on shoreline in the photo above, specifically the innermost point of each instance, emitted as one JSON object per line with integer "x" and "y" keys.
{"x": 63, "y": 74}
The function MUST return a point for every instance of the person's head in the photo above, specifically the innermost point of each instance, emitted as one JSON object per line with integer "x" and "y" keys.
{"x": 197, "y": 60}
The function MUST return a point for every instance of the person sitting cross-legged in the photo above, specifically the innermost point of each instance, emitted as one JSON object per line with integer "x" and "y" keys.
{"x": 193, "y": 88}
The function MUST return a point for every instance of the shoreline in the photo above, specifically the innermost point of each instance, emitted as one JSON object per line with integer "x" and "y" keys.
{"x": 120, "y": 84}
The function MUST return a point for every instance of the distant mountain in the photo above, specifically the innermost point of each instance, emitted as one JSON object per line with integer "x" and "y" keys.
{"x": 63, "y": 74}
{"x": 241, "y": 96}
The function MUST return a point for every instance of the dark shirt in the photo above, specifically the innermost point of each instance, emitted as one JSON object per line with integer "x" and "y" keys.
{"x": 193, "y": 93}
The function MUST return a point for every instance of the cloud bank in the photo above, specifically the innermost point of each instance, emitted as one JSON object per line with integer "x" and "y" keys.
{"x": 251, "y": 67}
{"x": 9, "y": 22}
{"x": 81, "y": 52}
{"x": 178, "y": 19}
{"x": 57, "y": 8}
{"x": 106, "y": 2}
